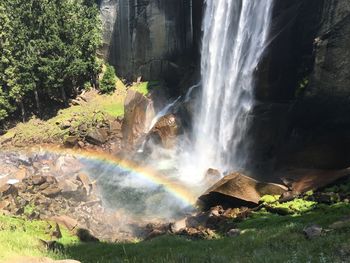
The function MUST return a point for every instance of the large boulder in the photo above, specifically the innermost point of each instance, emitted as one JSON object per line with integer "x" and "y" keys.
{"x": 303, "y": 180}
{"x": 236, "y": 190}
{"x": 138, "y": 114}
{"x": 165, "y": 131}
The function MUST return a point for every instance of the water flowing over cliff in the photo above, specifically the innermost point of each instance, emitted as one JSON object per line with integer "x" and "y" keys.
{"x": 234, "y": 38}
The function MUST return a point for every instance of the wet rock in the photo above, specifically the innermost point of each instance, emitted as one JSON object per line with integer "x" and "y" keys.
{"x": 236, "y": 190}
{"x": 212, "y": 176}
{"x": 313, "y": 231}
{"x": 233, "y": 233}
{"x": 85, "y": 180}
{"x": 165, "y": 131}
{"x": 138, "y": 115}
{"x": 97, "y": 136}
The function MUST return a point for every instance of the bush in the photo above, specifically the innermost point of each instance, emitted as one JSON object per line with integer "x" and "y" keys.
{"x": 108, "y": 82}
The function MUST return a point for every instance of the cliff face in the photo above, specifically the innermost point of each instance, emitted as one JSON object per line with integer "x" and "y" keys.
{"x": 148, "y": 38}
{"x": 302, "y": 117}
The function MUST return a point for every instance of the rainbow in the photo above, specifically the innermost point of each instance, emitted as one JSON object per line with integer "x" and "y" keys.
{"x": 176, "y": 189}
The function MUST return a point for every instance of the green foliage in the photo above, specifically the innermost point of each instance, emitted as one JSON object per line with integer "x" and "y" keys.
{"x": 47, "y": 48}
{"x": 296, "y": 206}
{"x": 108, "y": 82}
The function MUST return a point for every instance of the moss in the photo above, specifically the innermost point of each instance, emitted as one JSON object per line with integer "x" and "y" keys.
{"x": 268, "y": 199}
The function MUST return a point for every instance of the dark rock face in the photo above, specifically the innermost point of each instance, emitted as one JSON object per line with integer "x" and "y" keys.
{"x": 303, "y": 87}
{"x": 148, "y": 38}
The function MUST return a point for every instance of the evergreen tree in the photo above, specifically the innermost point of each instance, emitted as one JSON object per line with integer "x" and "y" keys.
{"x": 47, "y": 50}
{"x": 108, "y": 80}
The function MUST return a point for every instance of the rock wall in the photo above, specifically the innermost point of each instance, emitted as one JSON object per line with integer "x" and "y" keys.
{"x": 148, "y": 38}
{"x": 301, "y": 118}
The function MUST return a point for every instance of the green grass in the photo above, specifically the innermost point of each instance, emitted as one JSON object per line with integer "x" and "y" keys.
{"x": 145, "y": 87}
{"x": 265, "y": 237}
{"x": 20, "y": 237}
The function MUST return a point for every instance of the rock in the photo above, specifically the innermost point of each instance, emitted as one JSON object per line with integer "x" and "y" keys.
{"x": 155, "y": 233}
{"x": 85, "y": 236}
{"x": 303, "y": 180}
{"x": 85, "y": 180}
{"x": 236, "y": 190}
{"x": 4, "y": 204}
{"x": 97, "y": 136}
{"x": 345, "y": 223}
{"x": 8, "y": 189}
{"x": 149, "y": 41}
{"x": 165, "y": 131}
{"x": 52, "y": 245}
{"x": 38, "y": 180}
{"x": 51, "y": 191}
{"x": 71, "y": 141}
{"x": 57, "y": 232}
{"x": 65, "y": 125}
{"x": 178, "y": 225}
{"x": 313, "y": 231}
{"x": 212, "y": 176}
{"x": 233, "y": 233}
{"x": 67, "y": 221}
{"x": 138, "y": 115}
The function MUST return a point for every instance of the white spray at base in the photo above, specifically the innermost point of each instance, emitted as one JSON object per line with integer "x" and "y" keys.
{"x": 235, "y": 35}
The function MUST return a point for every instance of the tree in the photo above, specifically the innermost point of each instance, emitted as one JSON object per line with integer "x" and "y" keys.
{"x": 108, "y": 80}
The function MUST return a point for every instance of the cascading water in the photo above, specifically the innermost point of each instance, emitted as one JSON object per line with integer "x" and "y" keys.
{"x": 235, "y": 36}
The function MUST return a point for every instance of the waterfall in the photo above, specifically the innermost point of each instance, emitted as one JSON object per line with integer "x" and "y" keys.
{"x": 235, "y": 34}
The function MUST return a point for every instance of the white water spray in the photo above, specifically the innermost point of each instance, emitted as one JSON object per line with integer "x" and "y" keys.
{"x": 235, "y": 36}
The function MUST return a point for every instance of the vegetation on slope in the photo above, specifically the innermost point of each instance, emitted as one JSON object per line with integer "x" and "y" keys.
{"x": 265, "y": 237}
{"x": 47, "y": 52}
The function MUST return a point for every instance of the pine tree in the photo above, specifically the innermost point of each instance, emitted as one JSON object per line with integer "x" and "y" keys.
{"x": 108, "y": 80}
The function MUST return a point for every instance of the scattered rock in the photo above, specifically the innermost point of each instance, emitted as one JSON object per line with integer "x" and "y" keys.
{"x": 97, "y": 136}
{"x": 233, "y": 233}
{"x": 57, "y": 232}
{"x": 65, "y": 125}
{"x": 52, "y": 191}
{"x": 8, "y": 189}
{"x": 71, "y": 141}
{"x": 345, "y": 223}
{"x": 84, "y": 235}
{"x": 68, "y": 222}
{"x": 313, "y": 231}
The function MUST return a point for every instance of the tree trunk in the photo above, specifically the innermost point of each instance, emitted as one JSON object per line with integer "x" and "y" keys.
{"x": 23, "y": 111}
{"x": 37, "y": 101}
{"x": 64, "y": 96}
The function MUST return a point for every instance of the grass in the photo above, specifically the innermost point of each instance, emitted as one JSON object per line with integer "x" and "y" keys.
{"x": 20, "y": 237}
{"x": 35, "y": 130}
{"x": 265, "y": 237}
{"x": 145, "y": 87}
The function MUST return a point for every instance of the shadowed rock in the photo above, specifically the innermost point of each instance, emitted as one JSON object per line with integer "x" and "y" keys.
{"x": 236, "y": 190}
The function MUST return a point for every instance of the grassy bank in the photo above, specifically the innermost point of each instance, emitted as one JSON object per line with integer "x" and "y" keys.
{"x": 265, "y": 238}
